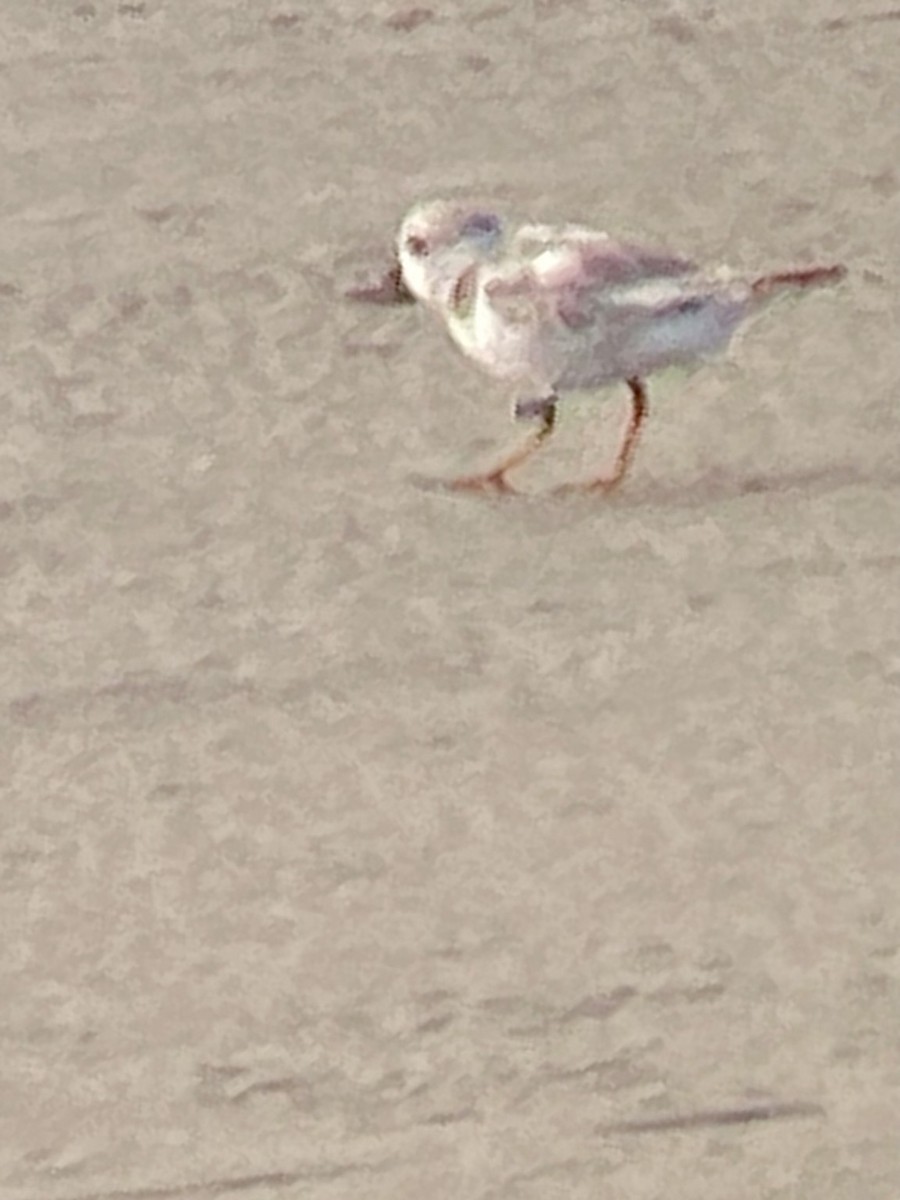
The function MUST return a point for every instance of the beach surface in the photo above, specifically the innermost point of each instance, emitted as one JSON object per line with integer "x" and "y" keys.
{"x": 362, "y": 839}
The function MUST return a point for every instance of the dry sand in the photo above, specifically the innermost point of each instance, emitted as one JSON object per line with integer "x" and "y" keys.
{"x": 360, "y": 840}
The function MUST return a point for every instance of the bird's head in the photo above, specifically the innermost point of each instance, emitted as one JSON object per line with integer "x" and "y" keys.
{"x": 441, "y": 238}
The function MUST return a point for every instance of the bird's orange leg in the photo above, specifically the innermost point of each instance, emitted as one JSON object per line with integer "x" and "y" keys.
{"x": 495, "y": 479}
{"x": 639, "y": 409}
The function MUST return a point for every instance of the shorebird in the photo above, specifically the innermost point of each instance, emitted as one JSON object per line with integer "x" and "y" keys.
{"x": 557, "y": 308}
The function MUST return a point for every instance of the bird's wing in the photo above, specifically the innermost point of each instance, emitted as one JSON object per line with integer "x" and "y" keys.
{"x": 590, "y": 257}
{"x": 571, "y": 272}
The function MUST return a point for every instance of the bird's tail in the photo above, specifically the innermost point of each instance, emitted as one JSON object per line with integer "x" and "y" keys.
{"x": 771, "y": 285}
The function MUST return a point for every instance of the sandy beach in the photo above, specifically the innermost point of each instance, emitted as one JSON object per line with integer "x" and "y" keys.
{"x": 362, "y": 839}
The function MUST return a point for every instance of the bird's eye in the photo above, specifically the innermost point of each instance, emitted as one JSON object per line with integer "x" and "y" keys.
{"x": 417, "y": 246}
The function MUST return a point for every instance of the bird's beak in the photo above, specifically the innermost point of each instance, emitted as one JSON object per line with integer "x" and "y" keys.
{"x": 388, "y": 289}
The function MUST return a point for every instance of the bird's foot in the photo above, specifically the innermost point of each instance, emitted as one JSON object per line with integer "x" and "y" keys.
{"x": 492, "y": 483}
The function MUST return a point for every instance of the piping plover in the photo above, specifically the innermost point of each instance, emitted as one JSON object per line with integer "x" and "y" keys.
{"x": 556, "y": 308}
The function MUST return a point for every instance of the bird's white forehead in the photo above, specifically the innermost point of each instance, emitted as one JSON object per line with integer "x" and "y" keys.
{"x": 447, "y": 220}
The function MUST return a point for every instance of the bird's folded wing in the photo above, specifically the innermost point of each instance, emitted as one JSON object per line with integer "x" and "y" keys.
{"x": 584, "y": 257}
{"x": 571, "y": 275}
{"x": 655, "y": 299}
{"x": 525, "y": 297}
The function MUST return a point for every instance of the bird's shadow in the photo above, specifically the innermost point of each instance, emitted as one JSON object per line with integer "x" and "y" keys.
{"x": 718, "y": 485}
{"x": 715, "y": 487}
